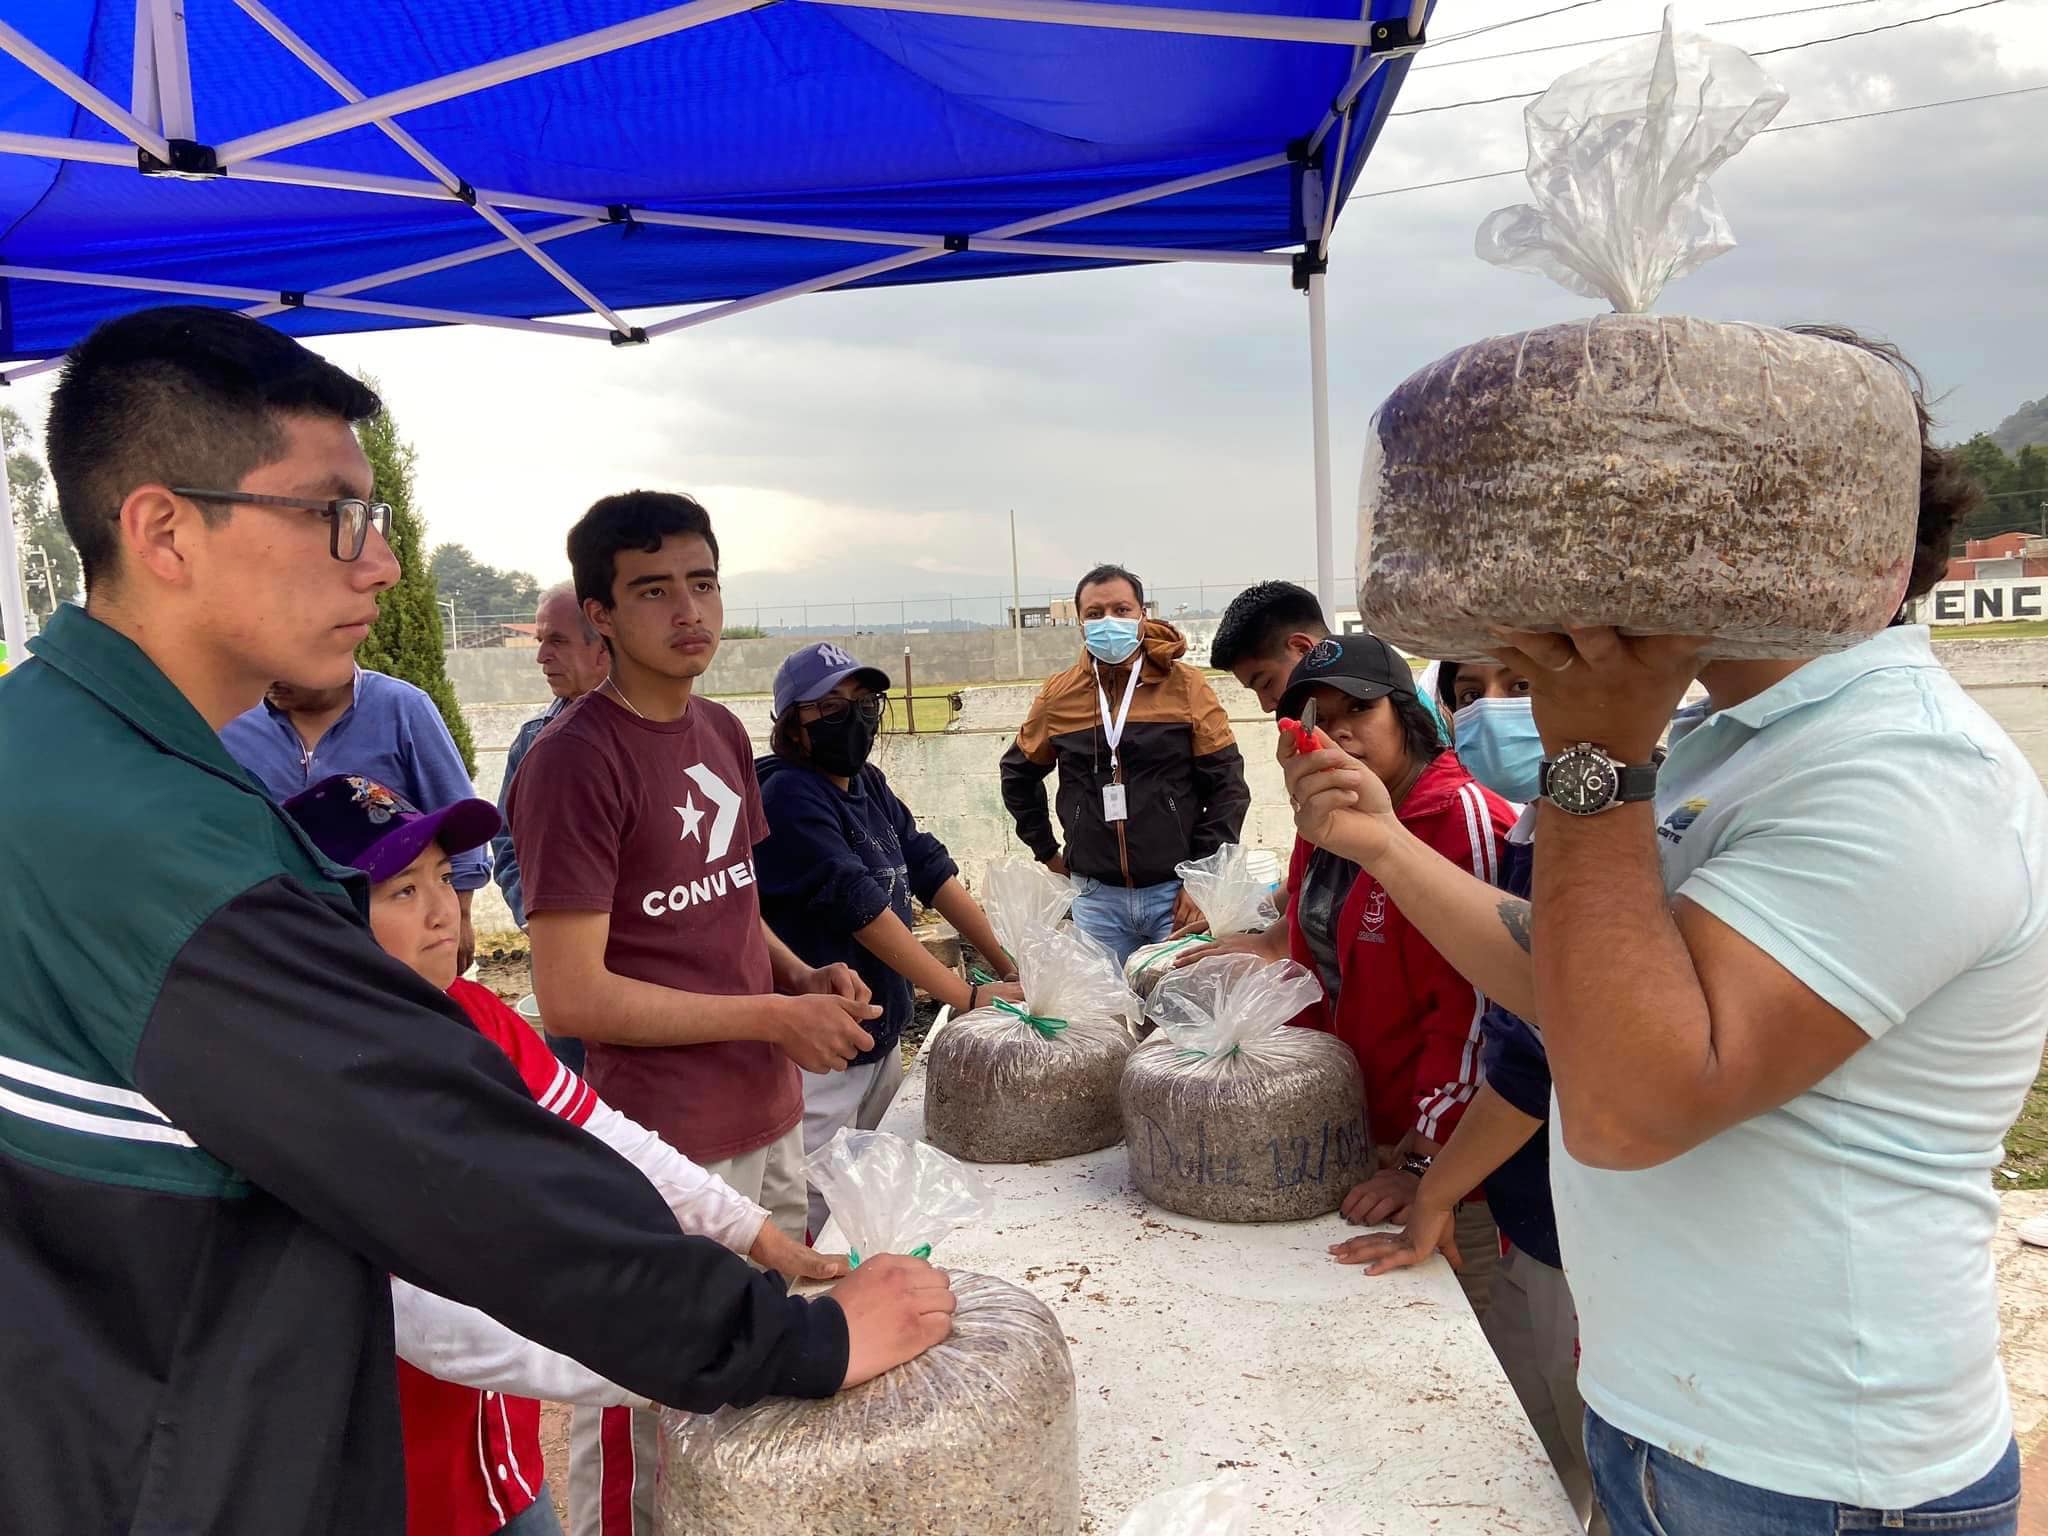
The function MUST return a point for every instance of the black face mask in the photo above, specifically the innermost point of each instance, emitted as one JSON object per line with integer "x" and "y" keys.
{"x": 841, "y": 746}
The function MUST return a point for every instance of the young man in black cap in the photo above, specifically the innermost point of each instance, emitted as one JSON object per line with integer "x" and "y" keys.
{"x": 229, "y": 1116}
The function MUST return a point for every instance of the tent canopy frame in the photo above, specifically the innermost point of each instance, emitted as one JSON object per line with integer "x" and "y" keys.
{"x": 159, "y": 129}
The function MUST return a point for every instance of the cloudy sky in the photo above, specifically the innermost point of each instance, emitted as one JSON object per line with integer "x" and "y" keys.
{"x": 870, "y": 444}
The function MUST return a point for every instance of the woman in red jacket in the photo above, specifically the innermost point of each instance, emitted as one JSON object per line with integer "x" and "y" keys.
{"x": 1409, "y": 1017}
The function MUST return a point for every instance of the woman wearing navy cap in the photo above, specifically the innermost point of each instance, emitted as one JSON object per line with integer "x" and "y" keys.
{"x": 841, "y": 862}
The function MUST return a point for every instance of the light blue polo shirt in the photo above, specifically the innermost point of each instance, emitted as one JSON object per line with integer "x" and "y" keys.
{"x": 1806, "y": 1302}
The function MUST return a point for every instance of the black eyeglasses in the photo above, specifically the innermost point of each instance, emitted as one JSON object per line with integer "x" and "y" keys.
{"x": 834, "y": 707}
{"x": 349, "y": 520}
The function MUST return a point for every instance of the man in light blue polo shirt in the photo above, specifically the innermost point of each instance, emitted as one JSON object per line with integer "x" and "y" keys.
{"x": 1793, "y": 988}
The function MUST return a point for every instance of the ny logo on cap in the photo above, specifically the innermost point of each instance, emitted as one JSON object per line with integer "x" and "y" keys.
{"x": 831, "y": 653}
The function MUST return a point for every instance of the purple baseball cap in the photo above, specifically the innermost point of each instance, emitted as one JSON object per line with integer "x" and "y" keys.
{"x": 358, "y": 822}
{"x": 815, "y": 670}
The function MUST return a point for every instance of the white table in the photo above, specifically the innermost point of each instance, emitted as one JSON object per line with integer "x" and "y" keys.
{"x": 1351, "y": 1405}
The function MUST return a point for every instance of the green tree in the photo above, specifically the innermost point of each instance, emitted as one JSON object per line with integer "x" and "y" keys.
{"x": 483, "y": 590}
{"x": 2000, "y": 477}
{"x": 406, "y": 639}
{"x": 50, "y": 568}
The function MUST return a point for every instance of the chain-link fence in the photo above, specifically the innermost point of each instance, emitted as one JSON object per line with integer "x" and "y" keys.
{"x": 1193, "y": 608}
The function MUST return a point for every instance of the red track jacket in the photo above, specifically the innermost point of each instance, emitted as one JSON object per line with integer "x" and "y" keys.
{"x": 1412, "y": 1021}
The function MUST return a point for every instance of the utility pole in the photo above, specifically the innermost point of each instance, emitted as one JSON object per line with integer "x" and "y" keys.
{"x": 1016, "y": 595}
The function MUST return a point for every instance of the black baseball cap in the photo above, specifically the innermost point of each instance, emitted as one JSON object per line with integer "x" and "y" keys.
{"x": 1362, "y": 665}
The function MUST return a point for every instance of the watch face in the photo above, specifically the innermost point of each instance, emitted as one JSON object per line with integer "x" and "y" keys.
{"x": 1582, "y": 782}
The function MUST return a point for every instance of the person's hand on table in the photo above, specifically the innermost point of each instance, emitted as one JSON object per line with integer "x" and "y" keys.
{"x": 1429, "y": 1230}
{"x": 776, "y": 1250}
{"x": 1600, "y": 686}
{"x": 1000, "y": 991}
{"x": 1386, "y": 1196}
{"x": 896, "y": 1308}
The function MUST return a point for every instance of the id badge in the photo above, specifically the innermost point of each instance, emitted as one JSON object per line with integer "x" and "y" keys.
{"x": 1113, "y": 807}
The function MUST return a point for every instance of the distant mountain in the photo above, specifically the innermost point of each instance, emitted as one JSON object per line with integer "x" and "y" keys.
{"x": 2028, "y": 424}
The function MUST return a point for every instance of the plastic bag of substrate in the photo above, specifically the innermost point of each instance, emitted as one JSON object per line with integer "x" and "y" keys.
{"x": 1665, "y": 475}
{"x": 976, "y": 1434}
{"x": 1233, "y": 1114}
{"x": 1235, "y": 895}
{"x": 1022, "y": 1082}
{"x": 1218, "y": 1506}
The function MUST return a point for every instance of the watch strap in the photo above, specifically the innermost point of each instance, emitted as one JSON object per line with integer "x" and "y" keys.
{"x": 1638, "y": 781}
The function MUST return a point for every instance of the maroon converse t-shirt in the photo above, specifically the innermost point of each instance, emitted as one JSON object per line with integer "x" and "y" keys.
{"x": 655, "y": 822}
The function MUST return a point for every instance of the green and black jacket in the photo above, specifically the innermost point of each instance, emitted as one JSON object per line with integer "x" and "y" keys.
{"x": 1183, "y": 777}
{"x": 226, "y": 1117}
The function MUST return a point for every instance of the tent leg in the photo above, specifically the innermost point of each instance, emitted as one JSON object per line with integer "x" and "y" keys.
{"x": 13, "y": 598}
{"x": 1319, "y": 414}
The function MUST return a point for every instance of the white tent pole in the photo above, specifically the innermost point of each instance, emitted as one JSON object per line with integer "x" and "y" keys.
{"x": 312, "y": 300}
{"x": 13, "y": 596}
{"x": 85, "y": 93}
{"x": 338, "y": 82}
{"x": 518, "y": 66}
{"x": 1319, "y": 416}
{"x": 173, "y": 89}
{"x": 1002, "y": 232}
{"x": 1134, "y": 18}
{"x": 435, "y": 191}
{"x": 142, "y": 97}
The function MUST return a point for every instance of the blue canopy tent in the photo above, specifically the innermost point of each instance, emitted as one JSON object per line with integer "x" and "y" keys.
{"x": 338, "y": 167}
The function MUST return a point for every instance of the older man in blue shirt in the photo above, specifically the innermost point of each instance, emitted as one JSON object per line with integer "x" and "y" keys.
{"x": 377, "y": 726}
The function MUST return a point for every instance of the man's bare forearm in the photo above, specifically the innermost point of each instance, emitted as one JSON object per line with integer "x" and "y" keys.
{"x": 589, "y": 1002}
{"x": 1625, "y": 1023}
{"x": 897, "y": 947}
{"x": 1480, "y": 929}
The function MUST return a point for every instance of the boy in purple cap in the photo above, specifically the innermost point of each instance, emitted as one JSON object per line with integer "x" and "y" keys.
{"x": 841, "y": 861}
{"x": 465, "y": 1381}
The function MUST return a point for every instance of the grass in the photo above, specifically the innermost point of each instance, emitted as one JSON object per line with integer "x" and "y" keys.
{"x": 2018, "y": 629}
{"x": 2026, "y": 1144}
{"x": 933, "y": 706}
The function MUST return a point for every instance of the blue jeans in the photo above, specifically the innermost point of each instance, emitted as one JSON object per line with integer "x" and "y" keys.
{"x": 1646, "y": 1491}
{"x": 1122, "y": 918}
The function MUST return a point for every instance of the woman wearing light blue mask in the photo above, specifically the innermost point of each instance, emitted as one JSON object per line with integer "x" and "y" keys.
{"x": 1493, "y": 727}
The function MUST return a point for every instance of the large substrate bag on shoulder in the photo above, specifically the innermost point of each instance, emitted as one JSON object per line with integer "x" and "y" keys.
{"x": 1018, "y": 1083}
{"x": 976, "y": 1434}
{"x": 1235, "y": 896}
{"x": 1233, "y": 1114}
{"x": 1664, "y": 475}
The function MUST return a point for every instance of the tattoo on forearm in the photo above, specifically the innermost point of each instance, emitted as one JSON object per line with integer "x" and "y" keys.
{"x": 1514, "y": 916}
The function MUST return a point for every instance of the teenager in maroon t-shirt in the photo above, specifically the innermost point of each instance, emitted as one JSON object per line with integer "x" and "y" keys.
{"x": 636, "y": 814}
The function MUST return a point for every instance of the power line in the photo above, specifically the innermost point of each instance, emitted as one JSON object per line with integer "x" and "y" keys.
{"x": 1621, "y": 37}
{"x": 1815, "y": 42}
{"x": 1516, "y": 21}
{"x": 1819, "y": 122}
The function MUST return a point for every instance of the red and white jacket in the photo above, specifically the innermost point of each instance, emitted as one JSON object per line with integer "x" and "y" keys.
{"x": 1408, "y": 1016}
{"x": 472, "y": 1452}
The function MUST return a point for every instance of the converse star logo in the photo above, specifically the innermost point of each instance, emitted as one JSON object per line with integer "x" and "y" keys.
{"x": 693, "y": 820}
{"x": 725, "y": 806}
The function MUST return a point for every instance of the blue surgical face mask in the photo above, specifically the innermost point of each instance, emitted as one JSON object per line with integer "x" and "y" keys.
{"x": 1111, "y": 640}
{"x": 1498, "y": 744}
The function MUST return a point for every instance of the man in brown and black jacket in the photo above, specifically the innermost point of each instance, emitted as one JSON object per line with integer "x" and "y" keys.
{"x": 1150, "y": 774}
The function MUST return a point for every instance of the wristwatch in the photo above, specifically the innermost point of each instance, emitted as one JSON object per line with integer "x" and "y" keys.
{"x": 1585, "y": 781}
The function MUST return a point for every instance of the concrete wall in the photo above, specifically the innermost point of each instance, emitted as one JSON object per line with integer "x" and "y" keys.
{"x": 748, "y": 666}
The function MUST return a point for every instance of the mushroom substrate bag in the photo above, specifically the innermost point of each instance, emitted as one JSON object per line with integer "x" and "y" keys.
{"x": 1016, "y": 1083}
{"x": 976, "y": 1434}
{"x": 1664, "y": 475}
{"x": 1233, "y": 1114}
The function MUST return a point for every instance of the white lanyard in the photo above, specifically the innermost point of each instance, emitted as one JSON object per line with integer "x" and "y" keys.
{"x": 1113, "y": 730}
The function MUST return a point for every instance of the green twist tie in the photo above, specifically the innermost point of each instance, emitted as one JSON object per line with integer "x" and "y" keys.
{"x": 921, "y": 1251}
{"x": 980, "y": 977}
{"x": 1048, "y": 1028}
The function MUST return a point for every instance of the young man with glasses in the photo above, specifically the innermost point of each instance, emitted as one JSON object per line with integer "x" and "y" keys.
{"x": 228, "y": 1115}
{"x": 636, "y": 816}
{"x": 841, "y": 863}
